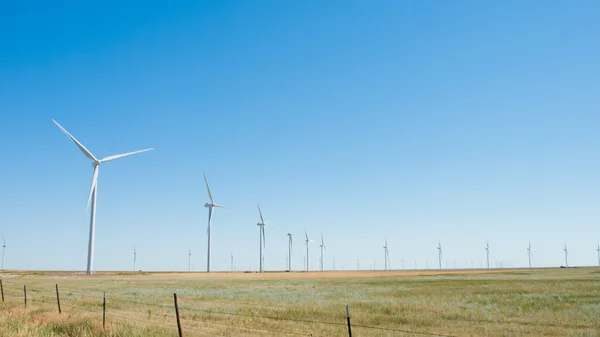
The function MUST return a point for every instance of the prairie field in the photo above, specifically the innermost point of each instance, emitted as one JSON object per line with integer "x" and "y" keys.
{"x": 538, "y": 302}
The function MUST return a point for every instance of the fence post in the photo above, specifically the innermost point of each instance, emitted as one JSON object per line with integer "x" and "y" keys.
{"x": 58, "y": 299}
{"x": 177, "y": 315}
{"x": 348, "y": 318}
{"x": 25, "y": 294}
{"x": 104, "y": 311}
{"x": 2, "y": 289}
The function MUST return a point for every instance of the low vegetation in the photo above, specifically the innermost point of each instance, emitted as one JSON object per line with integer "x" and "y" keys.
{"x": 557, "y": 302}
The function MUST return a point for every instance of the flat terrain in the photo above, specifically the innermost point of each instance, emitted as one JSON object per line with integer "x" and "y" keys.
{"x": 559, "y": 302}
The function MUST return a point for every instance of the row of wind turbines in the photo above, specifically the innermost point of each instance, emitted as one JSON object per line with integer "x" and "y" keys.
{"x": 91, "y": 205}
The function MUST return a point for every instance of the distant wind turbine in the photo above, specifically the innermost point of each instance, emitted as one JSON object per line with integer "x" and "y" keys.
{"x": 94, "y": 190}
{"x": 261, "y": 227}
{"x": 529, "y": 254}
{"x": 386, "y": 255}
{"x": 487, "y": 251}
{"x": 306, "y": 245}
{"x": 3, "y": 250}
{"x": 210, "y": 207}
{"x": 134, "y": 257}
{"x": 189, "y": 259}
{"x": 598, "y": 250}
{"x": 566, "y": 256}
{"x": 289, "y": 260}
{"x": 232, "y": 262}
{"x": 440, "y": 256}
{"x": 322, "y": 247}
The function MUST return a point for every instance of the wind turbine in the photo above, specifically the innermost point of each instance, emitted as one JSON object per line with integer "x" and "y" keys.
{"x": 322, "y": 247}
{"x": 94, "y": 190}
{"x": 487, "y": 251}
{"x": 134, "y": 257}
{"x": 440, "y": 253}
{"x": 566, "y": 256}
{"x": 289, "y": 266}
{"x": 3, "y": 250}
{"x": 189, "y": 259}
{"x": 529, "y": 254}
{"x": 386, "y": 255}
{"x": 210, "y": 207}
{"x": 261, "y": 227}
{"x": 306, "y": 245}
{"x": 231, "y": 261}
{"x": 598, "y": 250}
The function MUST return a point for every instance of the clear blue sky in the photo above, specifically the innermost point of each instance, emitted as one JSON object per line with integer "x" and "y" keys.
{"x": 417, "y": 121}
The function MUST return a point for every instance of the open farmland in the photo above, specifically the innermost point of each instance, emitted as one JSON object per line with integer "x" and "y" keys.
{"x": 411, "y": 303}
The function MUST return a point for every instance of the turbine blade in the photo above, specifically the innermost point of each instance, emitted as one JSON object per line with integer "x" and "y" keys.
{"x": 79, "y": 145}
{"x": 262, "y": 229}
{"x": 208, "y": 188}
{"x": 93, "y": 187}
{"x": 117, "y": 156}
{"x": 260, "y": 213}
{"x": 305, "y": 234}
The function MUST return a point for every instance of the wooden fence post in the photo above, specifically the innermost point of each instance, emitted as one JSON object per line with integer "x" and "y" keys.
{"x": 25, "y": 294}
{"x": 177, "y": 315}
{"x": 104, "y": 311}
{"x": 2, "y": 289}
{"x": 348, "y": 318}
{"x": 58, "y": 299}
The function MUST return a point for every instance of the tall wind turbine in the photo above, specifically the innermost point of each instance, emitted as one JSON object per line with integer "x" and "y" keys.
{"x": 289, "y": 252}
{"x": 261, "y": 227}
{"x": 3, "y": 250}
{"x": 306, "y": 245}
{"x": 210, "y": 207}
{"x": 322, "y": 247}
{"x": 529, "y": 254}
{"x": 134, "y": 257}
{"x": 231, "y": 261}
{"x": 566, "y": 256}
{"x": 487, "y": 251}
{"x": 440, "y": 255}
{"x": 189, "y": 259}
{"x": 386, "y": 255}
{"x": 598, "y": 250}
{"x": 94, "y": 190}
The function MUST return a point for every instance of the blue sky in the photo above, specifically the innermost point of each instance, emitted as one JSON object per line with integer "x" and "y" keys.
{"x": 417, "y": 121}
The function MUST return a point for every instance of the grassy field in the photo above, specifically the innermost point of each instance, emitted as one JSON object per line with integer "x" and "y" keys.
{"x": 559, "y": 302}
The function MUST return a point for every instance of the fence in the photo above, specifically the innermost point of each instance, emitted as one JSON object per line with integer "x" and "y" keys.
{"x": 181, "y": 320}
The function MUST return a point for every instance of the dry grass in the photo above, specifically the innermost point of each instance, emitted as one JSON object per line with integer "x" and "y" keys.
{"x": 548, "y": 302}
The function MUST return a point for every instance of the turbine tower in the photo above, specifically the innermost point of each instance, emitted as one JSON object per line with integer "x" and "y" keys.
{"x": 440, "y": 255}
{"x": 322, "y": 247}
{"x": 134, "y": 257}
{"x": 487, "y": 252}
{"x": 386, "y": 255}
{"x": 231, "y": 261}
{"x": 566, "y": 256}
{"x": 210, "y": 207}
{"x": 261, "y": 227}
{"x": 529, "y": 254}
{"x": 3, "y": 250}
{"x": 598, "y": 250}
{"x": 189, "y": 259}
{"x": 289, "y": 252}
{"x": 94, "y": 190}
{"x": 306, "y": 245}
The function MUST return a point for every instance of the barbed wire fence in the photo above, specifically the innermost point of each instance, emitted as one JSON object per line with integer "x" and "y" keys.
{"x": 180, "y": 320}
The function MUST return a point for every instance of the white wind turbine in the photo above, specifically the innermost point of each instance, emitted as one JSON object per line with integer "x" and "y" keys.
{"x": 306, "y": 245}
{"x": 487, "y": 251}
{"x": 134, "y": 257}
{"x": 529, "y": 252}
{"x": 289, "y": 260}
{"x": 3, "y": 250}
{"x": 231, "y": 261}
{"x": 440, "y": 255}
{"x": 386, "y": 255}
{"x": 189, "y": 259}
{"x": 598, "y": 250}
{"x": 261, "y": 227}
{"x": 322, "y": 247}
{"x": 210, "y": 207}
{"x": 566, "y": 256}
{"x": 94, "y": 190}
